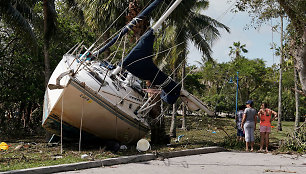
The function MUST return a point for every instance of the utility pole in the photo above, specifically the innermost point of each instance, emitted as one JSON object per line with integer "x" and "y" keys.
{"x": 237, "y": 78}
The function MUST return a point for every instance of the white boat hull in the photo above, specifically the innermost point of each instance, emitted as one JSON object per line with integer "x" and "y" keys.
{"x": 100, "y": 112}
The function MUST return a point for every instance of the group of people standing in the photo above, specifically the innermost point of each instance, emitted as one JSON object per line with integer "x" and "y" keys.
{"x": 246, "y": 120}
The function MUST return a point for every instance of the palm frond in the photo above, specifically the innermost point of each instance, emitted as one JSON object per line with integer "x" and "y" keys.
{"x": 200, "y": 5}
{"x": 206, "y": 20}
{"x": 15, "y": 20}
{"x": 200, "y": 42}
{"x": 73, "y": 5}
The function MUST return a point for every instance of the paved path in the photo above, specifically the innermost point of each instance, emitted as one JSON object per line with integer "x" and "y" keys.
{"x": 220, "y": 162}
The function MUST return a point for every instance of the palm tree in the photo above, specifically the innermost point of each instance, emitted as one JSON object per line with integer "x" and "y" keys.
{"x": 192, "y": 26}
{"x": 20, "y": 17}
{"x": 237, "y": 49}
{"x": 49, "y": 30}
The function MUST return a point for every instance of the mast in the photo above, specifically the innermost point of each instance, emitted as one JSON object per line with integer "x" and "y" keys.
{"x": 139, "y": 62}
{"x": 141, "y": 16}
{"x": 129, "y": 26}
{"x": 165, "y": 16}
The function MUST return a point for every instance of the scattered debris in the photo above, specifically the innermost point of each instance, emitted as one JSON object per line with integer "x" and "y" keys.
{"x": 18, "y": 147}
{"x": 57, "y": 157}
{"x": 3, "y": 146}
{"x": 85, "y": 156}
{"x": 123, "y": 147}
{"x": 285, "y": 171}
{"x": 52, "y": 144}
{"x": 27, "y": 146}
{"x": 179, "y": 138}
{"x": 143, "y": 145}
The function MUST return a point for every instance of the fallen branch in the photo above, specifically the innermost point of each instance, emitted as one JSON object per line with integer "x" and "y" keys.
{"x": 299, "y": 91}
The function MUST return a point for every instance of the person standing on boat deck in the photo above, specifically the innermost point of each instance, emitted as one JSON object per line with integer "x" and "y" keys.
{"x": 238, "y": 118}
{"x": 265, "y": 124}
{"x": 248, "y": 124}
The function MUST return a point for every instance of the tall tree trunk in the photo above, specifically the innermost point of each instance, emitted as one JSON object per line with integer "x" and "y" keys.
{"x": 183, "y": 104}
{"x": 27, "y": 115}
{"x": 300, "y": 61}
{"x": 297, "y": 103}
{"x": 174, "y": 114}
{"x": 173, "y": 121}
{"x": 46, "y": 62}
{"x": 279, "y": 125}
{"x": 300, "y": 30}
{"x": 49, "y": 28}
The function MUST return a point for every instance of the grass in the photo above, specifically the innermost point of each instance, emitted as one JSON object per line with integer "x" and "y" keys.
{"x": 287, "y": 127}
{"x": 203, "y": 131}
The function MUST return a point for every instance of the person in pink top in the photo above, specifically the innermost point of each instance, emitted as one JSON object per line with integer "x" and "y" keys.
{"x": 265, "y": 124}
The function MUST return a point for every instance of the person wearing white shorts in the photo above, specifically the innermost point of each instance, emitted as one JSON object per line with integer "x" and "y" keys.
{"x": 249, "y": 124}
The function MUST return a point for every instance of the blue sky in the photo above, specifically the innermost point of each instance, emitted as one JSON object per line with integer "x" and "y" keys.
{"x": 258, "y": 41}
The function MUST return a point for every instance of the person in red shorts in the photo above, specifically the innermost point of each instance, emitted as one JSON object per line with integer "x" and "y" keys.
{"x": 265, "y": 124}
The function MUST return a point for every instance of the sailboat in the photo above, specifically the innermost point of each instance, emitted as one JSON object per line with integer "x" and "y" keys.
{"x": 97, "y": 100}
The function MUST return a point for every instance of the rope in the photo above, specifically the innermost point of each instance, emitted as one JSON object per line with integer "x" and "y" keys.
{"x": 116, "y": 127}
{"x": 111, "y": 26}
{"x": 80, "y": 139}
{"x": 62, "y": 125}
{"x": 116, "y": 49}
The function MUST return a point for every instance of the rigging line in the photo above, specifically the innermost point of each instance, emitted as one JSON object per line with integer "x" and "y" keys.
{"x": 220, "y": 17}
{"x": 117, "y": 49}
{"x": 158, "y": 118}
{"x": 119, "y": 31}
{"x": 227, "y": 10}
{"x": 147, "y": 28}
{"x": 62, "y": 125}
{"x": 112, "y": 24}
{"x": 80, "y": 139}
{"x": 84, "y": 63}
{"x": 151, "y": 102}
{"x": 160, "y": 10}
{"x": 185, "y": 42}
{"x": 126, "y": 26}
{"x": 163, "y": 59}
{"x": 158, "y": 72}
{"x": 175, "y": 85}
{"x": 123, "y": 51}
